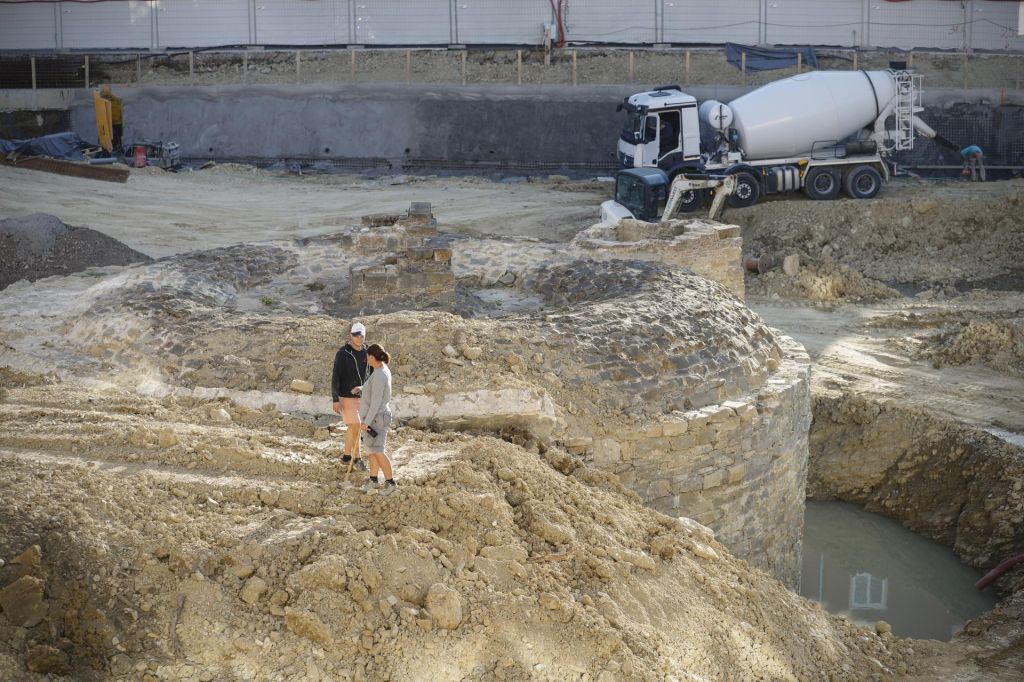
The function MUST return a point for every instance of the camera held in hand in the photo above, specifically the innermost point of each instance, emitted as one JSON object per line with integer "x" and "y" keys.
{"x": 372, "y": 431}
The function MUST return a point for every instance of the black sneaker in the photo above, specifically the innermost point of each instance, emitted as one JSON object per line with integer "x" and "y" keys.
{"x": 359, "y": 465}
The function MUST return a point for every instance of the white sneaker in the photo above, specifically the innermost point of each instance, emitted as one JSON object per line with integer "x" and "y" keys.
{"x": 388, "y": 488}
{"x": 369, "y": 486}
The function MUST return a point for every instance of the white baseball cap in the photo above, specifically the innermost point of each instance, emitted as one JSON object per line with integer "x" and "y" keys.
{"x": 358, "y": 328}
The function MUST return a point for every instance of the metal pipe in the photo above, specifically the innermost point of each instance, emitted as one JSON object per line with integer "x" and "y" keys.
{"x": 755, "y": 264}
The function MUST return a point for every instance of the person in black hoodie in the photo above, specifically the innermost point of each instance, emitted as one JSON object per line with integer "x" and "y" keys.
{"x": 350, "y": 373}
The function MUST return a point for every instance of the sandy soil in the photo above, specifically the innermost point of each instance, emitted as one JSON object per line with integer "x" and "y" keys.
{"x": 196, "y": 539}
{"x": 161, "y": 213}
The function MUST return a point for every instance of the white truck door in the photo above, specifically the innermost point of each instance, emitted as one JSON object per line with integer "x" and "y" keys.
{"x": 647, "y": 150}
{"x": 691, "y": 133}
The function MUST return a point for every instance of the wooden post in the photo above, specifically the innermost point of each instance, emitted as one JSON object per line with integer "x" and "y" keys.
{"x": 519, "y": 67}
{"x": 298, "y": 66}
{"x": 245, "y": 66}
{"x": 352, "y": 63}
{"x": 799, "y": 61}
{"x": 687, "y": 67}
{"x": 965, "y": 70}
{"x": 910, "y": 59}
{"x": 631, "y": 70}
{"x": 86, "y": 72}
{"x": 574, "y": 81}
{"x": 743, "y": 67}
{"x": 463, "y": 67}
{"x": 191, "y": 66}
{"x": 408, "y": 67}
{"x": 855, "y": 55}
{"x": 33, "y": 61}
{"x": 138, "y": 68}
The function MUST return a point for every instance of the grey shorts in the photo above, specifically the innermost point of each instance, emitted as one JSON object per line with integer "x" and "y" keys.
{"x": 379, "y": 442}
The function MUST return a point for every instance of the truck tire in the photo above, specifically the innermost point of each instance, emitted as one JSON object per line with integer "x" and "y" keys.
{"x": 747, "y": 192}
{"x": 862, "y": 182}
{"x": 692, "y": 200}
{"x": 822, "y": 183}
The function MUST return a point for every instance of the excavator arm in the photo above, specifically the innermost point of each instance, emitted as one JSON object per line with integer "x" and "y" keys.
{"x": 682, "y": 187}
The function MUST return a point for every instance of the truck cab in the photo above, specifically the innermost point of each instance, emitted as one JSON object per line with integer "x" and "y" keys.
{"x": 661, "y": 130}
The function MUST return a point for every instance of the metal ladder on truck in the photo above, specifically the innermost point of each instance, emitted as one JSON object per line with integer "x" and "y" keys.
{"x": 908, "y": 103}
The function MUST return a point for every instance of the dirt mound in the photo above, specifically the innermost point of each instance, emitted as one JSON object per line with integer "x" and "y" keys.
{"x": 825, "y": 282}
{"x": 943, "y": 232}
{"x": 998, "y": 344}
{"x": 488, "y": 563}
{"x": 964, "y": 335}
{"x": 40, "y": 245}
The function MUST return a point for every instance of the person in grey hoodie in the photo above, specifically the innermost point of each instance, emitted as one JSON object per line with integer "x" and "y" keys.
{"x": 375, "y": 417}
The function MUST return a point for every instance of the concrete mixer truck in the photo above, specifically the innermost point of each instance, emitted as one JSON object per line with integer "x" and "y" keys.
{"x": 823, "y": 132}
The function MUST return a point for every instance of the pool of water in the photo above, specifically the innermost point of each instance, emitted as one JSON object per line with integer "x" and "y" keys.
{"x": 871, "y": 568}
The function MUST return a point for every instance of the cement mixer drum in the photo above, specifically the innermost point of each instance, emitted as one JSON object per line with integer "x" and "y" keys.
{"x": 791, "y": 116}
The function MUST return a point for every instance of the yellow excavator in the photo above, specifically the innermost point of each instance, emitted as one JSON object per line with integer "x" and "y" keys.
{"x": 109, "y": 119}
{"x": 110, "y": 132}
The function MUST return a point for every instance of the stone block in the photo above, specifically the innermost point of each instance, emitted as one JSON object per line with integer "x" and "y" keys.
{"x": 660, "y": 488}
{"x": 651, "y": 446}
{"x": 713, "y": 480}
{"x": 719, "y": 413}
{"x": 606, "y": 453}
{"x": 22, "y": 602}
{"x": 683, "y": 443}
{"x": 302, "y": 386}
{"x": 676, "y": 427}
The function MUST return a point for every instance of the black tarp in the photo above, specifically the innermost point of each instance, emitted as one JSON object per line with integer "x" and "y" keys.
{"x": 768, "y": 58}
{"x": 66, "y": 146}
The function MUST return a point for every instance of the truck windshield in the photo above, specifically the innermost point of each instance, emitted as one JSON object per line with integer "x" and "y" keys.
{"x": 634, "y": 124}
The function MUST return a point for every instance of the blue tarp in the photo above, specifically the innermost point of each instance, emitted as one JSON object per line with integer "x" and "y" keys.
{"x": 768, "y": 58}
{"x": 58, "y": 146}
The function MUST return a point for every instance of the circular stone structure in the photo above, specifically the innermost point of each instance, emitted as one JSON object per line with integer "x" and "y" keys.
{"x": 638, "y": 367}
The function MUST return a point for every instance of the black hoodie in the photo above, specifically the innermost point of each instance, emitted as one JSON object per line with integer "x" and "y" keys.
{"x": 350, "y": 370}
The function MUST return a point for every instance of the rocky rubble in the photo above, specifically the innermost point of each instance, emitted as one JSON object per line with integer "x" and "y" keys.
{"x": 489, "y": 563}
{"x": 938, "y": 233}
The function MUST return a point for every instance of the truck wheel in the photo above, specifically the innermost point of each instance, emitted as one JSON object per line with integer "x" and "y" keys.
{"x": 747, "y": 191}
{"x": 692, "y": 200}
{"x": 822, "y": 183}
{"x": 862, "y": 182}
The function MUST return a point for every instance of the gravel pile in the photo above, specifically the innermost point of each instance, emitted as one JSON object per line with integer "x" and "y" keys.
{"x": 40, "y": 245}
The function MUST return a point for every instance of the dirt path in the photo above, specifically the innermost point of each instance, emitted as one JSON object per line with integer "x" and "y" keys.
{"x": 852, "y": 353}
{"x": 161, "y": 213}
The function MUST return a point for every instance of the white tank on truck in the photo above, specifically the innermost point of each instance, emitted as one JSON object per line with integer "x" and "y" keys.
{"x": 788, "y": 117}
{"x": 821, "y": 131}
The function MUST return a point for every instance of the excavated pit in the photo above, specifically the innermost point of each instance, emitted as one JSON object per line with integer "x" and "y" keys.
{"x": 707, "y": 418}
{"x": 181, "y": 402}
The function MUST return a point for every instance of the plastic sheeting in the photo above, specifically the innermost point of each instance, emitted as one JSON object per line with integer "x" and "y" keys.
{"x": 768, "y": 58}
{"x": 66, "y": 146}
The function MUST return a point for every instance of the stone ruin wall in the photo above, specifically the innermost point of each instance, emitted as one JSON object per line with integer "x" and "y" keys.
{"x": 415, "y": 273}
{"x": 712, "y": 250}
{"x": 738, "y": 466}
{"x": 420, "y": 278}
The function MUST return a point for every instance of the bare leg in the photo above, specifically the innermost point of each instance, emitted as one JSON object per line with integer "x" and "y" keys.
{"x": 374, "y": 467}
{"x": 351, "y": 438}
{"x": 381, "y": 459}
